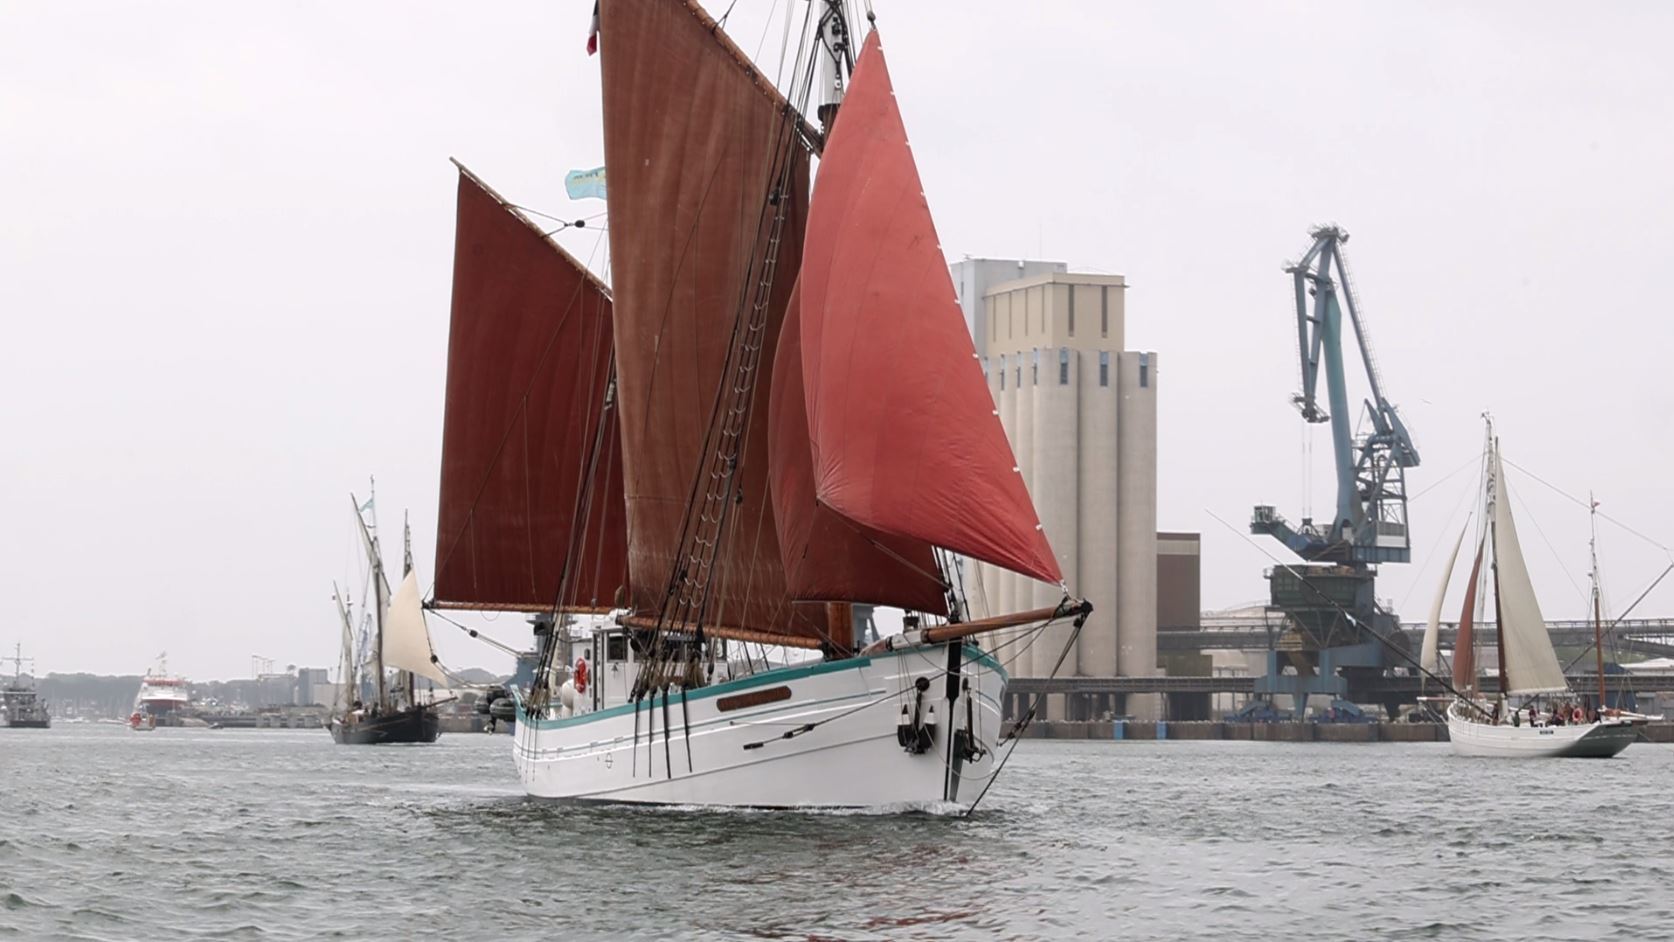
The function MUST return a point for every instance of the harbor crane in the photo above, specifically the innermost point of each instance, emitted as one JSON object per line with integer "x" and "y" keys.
{"x": 1329, "y": 601}
{"x": 1369, "y": 524}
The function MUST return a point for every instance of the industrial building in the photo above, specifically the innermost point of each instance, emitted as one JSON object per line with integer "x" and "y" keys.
{"x": 1081, "y": 415}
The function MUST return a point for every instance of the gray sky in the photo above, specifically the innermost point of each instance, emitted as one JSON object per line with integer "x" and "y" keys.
{"x": 226, "y": 237}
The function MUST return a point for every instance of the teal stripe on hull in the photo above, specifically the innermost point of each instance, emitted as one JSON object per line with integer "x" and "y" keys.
{"x": 766, "y": 678}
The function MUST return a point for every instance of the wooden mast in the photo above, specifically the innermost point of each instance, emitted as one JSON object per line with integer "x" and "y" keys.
{"x": 1598, "y": 619}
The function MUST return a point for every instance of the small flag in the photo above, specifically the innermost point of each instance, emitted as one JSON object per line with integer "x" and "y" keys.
{"x": 368, "y": 505}
{"x": 582, "y": 184}
{"x": 593, "y": 31}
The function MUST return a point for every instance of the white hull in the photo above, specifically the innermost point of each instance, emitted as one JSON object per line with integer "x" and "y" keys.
{"x": 1471, "y": 737}
{"x": 728, "y": 744}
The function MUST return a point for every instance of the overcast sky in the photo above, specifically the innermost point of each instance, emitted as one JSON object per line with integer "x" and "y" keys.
{"x": 226, "y": 239}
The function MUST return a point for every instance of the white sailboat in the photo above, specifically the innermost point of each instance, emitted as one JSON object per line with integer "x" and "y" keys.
{"x": 773, "y": 417}
{"x": 1547, "y": 719}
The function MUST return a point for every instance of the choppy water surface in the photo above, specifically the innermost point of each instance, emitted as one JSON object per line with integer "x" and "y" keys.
{"x": 106, "y": 834}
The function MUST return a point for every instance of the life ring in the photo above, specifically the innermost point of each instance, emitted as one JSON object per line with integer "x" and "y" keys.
{"x": 580, "y": 677}
{"x": 1579, "y": 716}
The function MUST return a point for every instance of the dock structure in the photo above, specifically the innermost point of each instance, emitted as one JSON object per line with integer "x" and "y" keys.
{"x": 1653, "y": 637}
{"x": 1394, "y": 688}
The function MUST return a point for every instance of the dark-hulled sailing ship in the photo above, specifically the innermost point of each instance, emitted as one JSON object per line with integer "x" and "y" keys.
{"x": 373, "y": 707}
{"x": 773, "y": 416}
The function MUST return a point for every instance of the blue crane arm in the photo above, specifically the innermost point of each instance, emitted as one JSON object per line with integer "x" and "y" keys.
{"x": 1369, "y": 523}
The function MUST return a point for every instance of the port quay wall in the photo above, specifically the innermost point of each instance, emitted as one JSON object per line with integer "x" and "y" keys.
{"x": 1269, "y": 732}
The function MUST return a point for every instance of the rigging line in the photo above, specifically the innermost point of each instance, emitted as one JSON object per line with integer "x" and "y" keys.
{"x": 1028, "y": 718}
{"x": 1562, "y": 567}
{"x": 1476, "y": 460}
{"x": 722, "y": 22}
{"x": 1610, "y": 629}
{"x": 1446, "y": 683}
{"x": 1441, "y": 536}
{"x": 801, "y": 728}
{"x": 582, "y": 514}
{"x": 1582, "y": 503}
{"x": 933, "y": 577}
{"x": 740, "y": 365}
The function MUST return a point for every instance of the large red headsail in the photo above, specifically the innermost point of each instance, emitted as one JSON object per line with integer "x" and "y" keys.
{"x": 529, "y": 354}
{"x": 905, "y": 437}
{"x": 827, "y": 557}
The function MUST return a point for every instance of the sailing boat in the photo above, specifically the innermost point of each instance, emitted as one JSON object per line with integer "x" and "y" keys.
{"x": 773, "y": 417}
{"x": 402, "y": 641}
{"x": 1528, "y": 664}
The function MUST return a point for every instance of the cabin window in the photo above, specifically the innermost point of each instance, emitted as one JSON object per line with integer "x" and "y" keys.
{"x": 1104, "y": 311}
{"x": 1063, "y": 366}
{"x": 616, "y": 647}
{"x": 1104, "y": 367}
{"x": 1144, "y": 370}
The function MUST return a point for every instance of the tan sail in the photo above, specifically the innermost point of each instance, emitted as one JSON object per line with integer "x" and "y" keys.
{"x": 406, "y": 639}
{"x": 1530, "y": 662}
{"x": 1429, "y": 656}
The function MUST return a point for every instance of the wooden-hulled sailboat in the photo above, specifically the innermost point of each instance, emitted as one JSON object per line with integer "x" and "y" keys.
{"x": 1528, "y": 665}
{"x": 394, "y": 714}
{"x": 792, "y": 421}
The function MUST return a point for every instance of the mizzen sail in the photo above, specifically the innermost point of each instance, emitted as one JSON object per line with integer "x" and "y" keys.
{"x": 1530, "y": 661}
{"x": 905, "y": 439}
{"x": 531, "y": 466}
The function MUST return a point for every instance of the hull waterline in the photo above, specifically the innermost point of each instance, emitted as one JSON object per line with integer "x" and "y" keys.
{"x": 403, "y": 726}
{"x": 827, "y": 735}
{"x": 1599, "y": 740}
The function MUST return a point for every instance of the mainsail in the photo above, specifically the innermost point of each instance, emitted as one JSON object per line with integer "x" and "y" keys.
{"x": 905, "y": 439}
{"x": 1530, "y": 661}
{"x": 406, "y": 639}
{"x": 528, "y": 443}
{"x": 1430, "y": 654}
{"x": 695, "y": 141}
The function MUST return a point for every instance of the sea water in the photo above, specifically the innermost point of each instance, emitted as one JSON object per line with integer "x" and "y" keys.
{"x": 222, "y": 834}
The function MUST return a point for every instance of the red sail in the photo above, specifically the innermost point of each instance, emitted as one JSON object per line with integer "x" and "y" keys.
{"x": 529, "y": 354}
{"x": 905, "y": 437}
{"x": 1464, "y": 642}
{"x": 690, "y": 141}
{"x": 827, "y": 557}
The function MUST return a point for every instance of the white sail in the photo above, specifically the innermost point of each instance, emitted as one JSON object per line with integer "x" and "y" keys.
{"x": 1430, "y": 654}
{"x": 406, "y": 639}
{"x": 348, "y": 679}
{"x": 1529, "y": 658}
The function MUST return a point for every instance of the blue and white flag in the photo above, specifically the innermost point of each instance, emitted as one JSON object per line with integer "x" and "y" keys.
{"x": 581, "y": 184}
